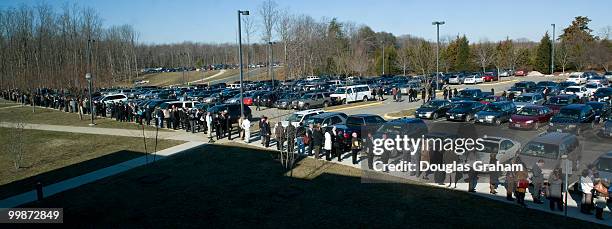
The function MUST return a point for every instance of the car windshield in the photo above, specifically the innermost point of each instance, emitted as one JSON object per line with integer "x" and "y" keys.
{"x": 340, "y": 91}
{"x": 306, "y": 96}
{"x": 538, "y": 149}
{"x": 493, "y": 108}
{"x": 559, "y": 101}
{"x": 520, "y": 85}
{"x": 528, "y": 111}
{"x": 569, "y": 113}
{"x": 460, "y": 105}
{"x": 605, "y": 164}
{"x": 591, "y": 86}
{"x": 354, "y": 121}
{"x": 490, "y": 99}
{"x": 391, "y": 129}
{"x": 523, "y": 99}
{"x": 295, "y": 118}
{"x": 433, "y": 104}
{"x": 489, "y": 147}
{"x": 313, "y": 121}
{"x": 572, "y": 89}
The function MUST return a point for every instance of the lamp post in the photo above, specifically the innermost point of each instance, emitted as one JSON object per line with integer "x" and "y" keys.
{"x": 437, "y": 24}
{"x": 246, "y": 13}
{"x": 383, "y": 57}
{"x": 271, "y": 62}
{"x": 91, "y": 111}
{"x": 552, "y": 55}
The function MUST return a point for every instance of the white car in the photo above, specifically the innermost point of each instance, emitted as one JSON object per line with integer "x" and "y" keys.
{"x": 296, "y": 118}
{"x": 592, "y": 87}
{"x": 114, "y": 98}
{"x": 473, "y": 79}
{"x": 577, "y": 77}
{"x": 352, "y": 93}
{"x": 505, "y": 150}
{"x": 580, "y": 91}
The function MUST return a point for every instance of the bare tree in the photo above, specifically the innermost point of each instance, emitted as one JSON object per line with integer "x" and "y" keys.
{"x": 485, "y": 53}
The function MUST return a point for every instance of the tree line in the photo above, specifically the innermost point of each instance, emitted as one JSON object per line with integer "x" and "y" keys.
{"x": 44, "y": 47}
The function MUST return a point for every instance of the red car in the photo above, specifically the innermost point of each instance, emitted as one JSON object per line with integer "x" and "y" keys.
{"x": 490, "y": 76}
{"x": 531, "y": 117}
{"x": 248, "y": 101}
{"x": 520, "y": 72}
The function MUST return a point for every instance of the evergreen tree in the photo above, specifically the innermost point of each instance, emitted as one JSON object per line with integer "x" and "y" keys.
{"x": 542, "y": 55}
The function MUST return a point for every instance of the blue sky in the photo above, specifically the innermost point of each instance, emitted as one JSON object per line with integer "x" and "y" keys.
{"x": 165, "y": 21}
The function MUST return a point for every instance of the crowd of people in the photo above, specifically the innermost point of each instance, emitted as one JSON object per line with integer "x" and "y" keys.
{"x": 319, "y": 142}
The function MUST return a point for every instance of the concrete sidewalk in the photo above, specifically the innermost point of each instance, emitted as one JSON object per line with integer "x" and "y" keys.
{"x": 74, "y": 182}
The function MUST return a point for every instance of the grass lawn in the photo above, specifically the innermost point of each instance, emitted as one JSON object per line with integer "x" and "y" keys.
{"x": 403, "y": 113}
{"x": 55, "y": 117}
{"x": 51, "y": 156}
{"x": 221, "y": 186}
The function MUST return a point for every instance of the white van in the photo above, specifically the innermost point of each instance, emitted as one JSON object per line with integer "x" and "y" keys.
{"x": 114, "y": 98}
{"x": 352, "y": 93}
{"x": 179, "y": 104}
{"x": 311, "y": 78}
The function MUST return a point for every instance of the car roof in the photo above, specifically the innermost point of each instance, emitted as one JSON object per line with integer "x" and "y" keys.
{"x": 405, "y": 120}
{"x": 534, "y": 106}
{"x": 363, "y": 115}
{"x": 552, "y": 137}
{"x": 310, "y": 111}
{"x": 327, "y": 114}
{"x": 575, "y": 106}
{"x": 607, "y": 155}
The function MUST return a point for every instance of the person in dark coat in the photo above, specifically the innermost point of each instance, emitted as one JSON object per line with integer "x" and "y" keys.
{"x": 266, "y": 132}
{"x": 228, "y": 125}
{"x": 218, "y": 129}
{"x": 148, "y": 115}
{"x": 177, "y": 116}
{"x": 289, "y": 134}
{"x": 338, "y": 144}
{"x": 317, "y": 141}
{"x": 356, "y": 146}
{"x": 369, "y": 146}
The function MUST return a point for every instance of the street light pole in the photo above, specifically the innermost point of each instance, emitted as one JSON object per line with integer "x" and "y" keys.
{"x": 383, "y": 57}
{"x": 552, "y": 55}
{"x": 246, "y": 13}
{"x": 437, "y": 24}
{"x": 88, "y": 77}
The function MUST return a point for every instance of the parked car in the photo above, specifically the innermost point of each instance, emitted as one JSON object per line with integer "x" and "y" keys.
{"x": 520, "y": 72}
{"x": 250, "y": 100}
{"x": 310, "y": 100}
{"x": 298, "y": 117}
{"x": 603, "y": 95}
{"x": 456, "y": 79}
{"x": 352, "y": 93}
{"x": 556, "y": 102}
{"x": 531, "y": 117}
{"x": 601, "y": 109}
{"x": 492, "y": 98}
{"x": 326, "y": 119}
{"x": 598, "y": 80}
{"x": 364, "y": 123}
{"x": 528, "y": 99}
{"x": 608, "y": 75}
{"x": 523, "y": 87}
{"x": 495, "y": 113}
{"x": 285, "y": 101}
{"x": 577, "y": 77}
{"x": 579, "y": 91}
{"x": 113, "y": 98}
{"x": 565, "y": 84}
{"x": 550, "y": 147}
{"x": 411, "y": 127}
{"x": 179, "y": 104}
{"x": 490, "y": 76}
{"x": 268, "y": 99}
{"x": 593, "y": 87}
{"x": 463, "y": 110}
{"x": 607, "y": 127}
{"x": 505, "y": 150}
{"x": 433, "y": 109}
{"x": 603, "y": 164}
{"x": 473, "y": 79}
{"x": 469, "y": 94}
{"x": 574, "y": 118}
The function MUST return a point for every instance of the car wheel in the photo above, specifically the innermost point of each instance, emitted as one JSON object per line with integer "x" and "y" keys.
{"x": 497, "y": 122}
{"x": 434, "y": 116}
{"x": 325, "y": 104}
{"x": 365, "y": 98}
{"x": 306, "y": 106}
{"x": 536, "y": 126}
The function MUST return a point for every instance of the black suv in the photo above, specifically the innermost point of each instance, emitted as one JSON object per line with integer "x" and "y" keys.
{"x": 573, "y": 118}
{"x": 464, "y": 111}
{"x": 496, "y": 113}
{"x": 364, "y": 123}
{"x": 433, "y": 109}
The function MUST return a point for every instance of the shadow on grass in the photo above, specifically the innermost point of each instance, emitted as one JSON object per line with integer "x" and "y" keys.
{"x": 220, "y": 186}
{"x": 50, "y": 177}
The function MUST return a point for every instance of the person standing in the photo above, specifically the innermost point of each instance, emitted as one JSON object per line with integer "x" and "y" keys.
{"x": 209, "y": 124}
{"x": 327, "y": 145}
{"x": 380, "y": 94}
{"x": 300, "y": 133}
{"x": 218, "y": 129}
{"x": 601, "y": 196}
{"x": 228, "y": 125}
{"x": 537, "y": 179}
{"x": 338, "y": 143}
{"x": 445, "y": 93}
{"x": 317, "y": 141}
{"x": 369, "y": 145}
{"x": 555, "y": 190}
{"x": 308, "y": 138}
{"x": 356, "y": 146}
{"x": 521, "y": 187}
{"x": 257, "y": 103}
{"x": 167, "y": 118}
{"x": 246, "y": 127}
{"x": 267, "y": 132}
{"x": 290, "y": 136}
{"x": 510, "y": 185}
{"x": 493, "y": 175}
{"x": 279, "y": 135}
{"x": 586, "y": 184}
{"x": 394, "y": 93}
{"x": 423, "y": 94}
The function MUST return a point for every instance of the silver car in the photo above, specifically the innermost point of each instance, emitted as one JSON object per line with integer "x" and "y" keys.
{"x": 528, "y": 99}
